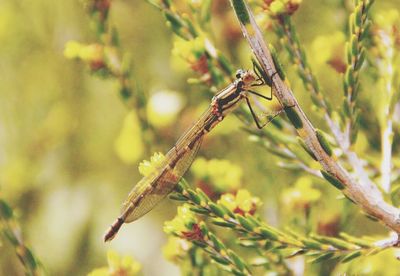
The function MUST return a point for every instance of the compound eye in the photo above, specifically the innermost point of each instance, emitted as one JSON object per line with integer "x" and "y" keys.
{"x": 239, "y": 74}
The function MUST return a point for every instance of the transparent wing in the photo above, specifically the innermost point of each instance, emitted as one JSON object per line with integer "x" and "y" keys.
{"x": 149, "y": 192}
{"x": 192, "y": 132}
{"x": 154, "y": 187}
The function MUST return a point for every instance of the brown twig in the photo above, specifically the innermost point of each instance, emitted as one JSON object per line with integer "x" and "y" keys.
{"x": 362, "y": 192}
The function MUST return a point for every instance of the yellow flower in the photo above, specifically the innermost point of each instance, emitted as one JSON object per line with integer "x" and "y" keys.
{"x": 189, "y": 50}
{"x": 176, "y": 249}
{"x": 118, "y": 265}
{"x": 182, "y": 222}
{"x": 92, "y": 52}
{"x": 280, "y": 7}
{"x": 148, "y": 167}
{"x": 241, "y": 203}
{"x": 222, "y": 174}
{"x": 277, "y": 7}
{"x": 89, "y": 53}
{"x": 388, "y": 19}
{"x": 72, "y": 49}
{"x": 128, "y": 145}
{"x": 301, "y": 195}
{"x": 192, "y": 53}
{"x": 330, "y": 50}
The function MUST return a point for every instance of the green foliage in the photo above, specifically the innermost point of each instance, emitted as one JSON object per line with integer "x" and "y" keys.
{"x": 333, "y": 180}
{"x": 294, "y": 117}
{"x": 11, "y": 231}
{"x": 324, "y": 142}
{"x": 359, "y": 24}
{"x": 277, "y": 63}
{"x": 255, "y": 234}
{"x": 241, "y": 11}
{"x": 118, "y": 265}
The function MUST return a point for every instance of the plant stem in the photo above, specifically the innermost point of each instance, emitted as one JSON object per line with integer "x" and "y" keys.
{"x": 363, "y": 192}
{"x": 386, "y": 120}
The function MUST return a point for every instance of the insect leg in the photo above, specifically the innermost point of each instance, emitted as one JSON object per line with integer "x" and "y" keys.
{"x": 255, "y": 117}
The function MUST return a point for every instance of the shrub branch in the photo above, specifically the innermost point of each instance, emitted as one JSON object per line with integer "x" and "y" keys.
{"x": 363, "y": 192}
{"x": 11, "y": 231}
{"x": 254, "y": 233}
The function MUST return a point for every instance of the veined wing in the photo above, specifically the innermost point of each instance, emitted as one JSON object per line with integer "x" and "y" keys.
{"x": 149, "y": 192}
{"x": 153, "y": 188}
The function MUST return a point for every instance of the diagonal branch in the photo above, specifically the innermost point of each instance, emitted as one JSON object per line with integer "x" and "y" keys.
{"x": 364, "y": 193}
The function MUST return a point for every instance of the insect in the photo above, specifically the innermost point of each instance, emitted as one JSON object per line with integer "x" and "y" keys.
{"x": 154, "y": 187}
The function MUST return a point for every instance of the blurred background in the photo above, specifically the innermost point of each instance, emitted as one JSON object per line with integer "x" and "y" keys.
{"x": 70, "y": 147}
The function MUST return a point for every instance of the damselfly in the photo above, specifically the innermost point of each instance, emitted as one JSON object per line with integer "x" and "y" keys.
{"x": 154, "y": 187}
